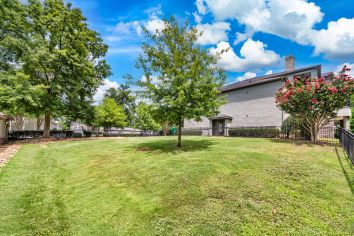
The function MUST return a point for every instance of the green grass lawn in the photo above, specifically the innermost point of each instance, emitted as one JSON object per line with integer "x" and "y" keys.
{"x": 146, "y": 186}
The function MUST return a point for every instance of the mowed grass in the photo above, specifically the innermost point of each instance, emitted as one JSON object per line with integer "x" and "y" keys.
{"x": 147, "y": 186}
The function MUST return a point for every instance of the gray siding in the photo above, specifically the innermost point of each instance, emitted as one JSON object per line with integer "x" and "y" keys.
{"x": 254, "y": 106}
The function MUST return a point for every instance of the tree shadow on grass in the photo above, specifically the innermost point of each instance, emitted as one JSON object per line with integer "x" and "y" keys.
{"x": 170, "y": 146}
{"x": 347, "y": 167}
{"x": 302, "y": 142}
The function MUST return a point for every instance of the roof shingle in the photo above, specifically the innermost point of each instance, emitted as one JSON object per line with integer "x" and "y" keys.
{"x": 267, "y": 78}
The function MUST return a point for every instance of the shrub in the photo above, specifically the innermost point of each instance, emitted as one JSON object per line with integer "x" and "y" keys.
{"x": 289, "y": 125}
{"x": 262, "y": 132}
{"x": 77, "y": 135}
{"x": 293, "y": 126}
{"x": 192, "y": 132}
{"x": 121, "y": 133}
{"x": 87, "y": 134}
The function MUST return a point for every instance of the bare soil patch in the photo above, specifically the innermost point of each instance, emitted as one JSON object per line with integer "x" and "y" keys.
{"x": 144, "y": 149}
{"x": 7, "y": 151}
{"x": 10, "y": 149}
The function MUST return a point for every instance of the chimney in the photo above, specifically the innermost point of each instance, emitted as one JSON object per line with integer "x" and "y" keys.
{"x": 289, "y": 63}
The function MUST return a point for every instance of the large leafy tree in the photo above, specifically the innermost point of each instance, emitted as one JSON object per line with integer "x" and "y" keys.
{"x": 124, "y": 95}
{"x": 182, "y": 79}
{"x": 315, "y": 101}
{"x": 13, "y": 36}
{"x": 110, "y": 114}
{"x": 58, "y": 51}
{"x": 18, "y": 97}
{"x": 145, "y": 119}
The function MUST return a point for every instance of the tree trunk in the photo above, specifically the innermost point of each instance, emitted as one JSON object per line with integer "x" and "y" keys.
{"x": 179, "y": 143}
{"x": 46, "y": 132}
{"x": 19, "y": 122}
{"x": 39, "y": 121}
{"x": 314, "y": 133}
{"x": 165, "y": 126}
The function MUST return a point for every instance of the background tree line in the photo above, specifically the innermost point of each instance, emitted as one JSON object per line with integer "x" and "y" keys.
{"x": 51, "y": 65}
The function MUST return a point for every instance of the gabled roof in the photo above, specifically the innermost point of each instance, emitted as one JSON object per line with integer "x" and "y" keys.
{"x": 328, "y": 75}
{"x": 221, "y": 116}
{"x": 267, "y": 78}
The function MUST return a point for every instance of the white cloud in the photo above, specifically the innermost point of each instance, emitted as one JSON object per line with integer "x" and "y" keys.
{"x": 154, "y": 25}
{"x": 153, "y": 78}
{"x": 269, "y": 72}
{"x": 154, "y": 12}
{"x": 337, "y": 41}
{"x": 202, "y": 9}
{"x": 213, "y": 33}
{"x": 247, "y": 75}
{"x": 253, "y": 55}
{"x": 288, "y": 19}
{"x": 240, "y": 37}
{"x": 128, "y": 27}
{"x": 103, "y": 88}
{"x": 124, "y": 50}
{"x": 197, "y": 17}
{"x": 133, "y": 30}
{"x": 125, "y": 31}
{"x": 350, "y": 66}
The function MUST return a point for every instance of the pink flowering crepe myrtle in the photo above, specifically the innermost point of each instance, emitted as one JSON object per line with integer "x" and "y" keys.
{"x": 315, "y": 101}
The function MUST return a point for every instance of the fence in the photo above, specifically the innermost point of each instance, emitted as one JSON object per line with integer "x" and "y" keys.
{"x": 199, "y": 131}
{"x": 129, "y": 133}
{"x": 326, "y": 134}
{"x": 346, "y": 139}
{"x": 33, "y": 134}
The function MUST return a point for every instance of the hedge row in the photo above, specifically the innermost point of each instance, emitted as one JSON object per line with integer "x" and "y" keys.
{"x": 192, "y": 132}
{"x": 109, "y": 134}
{"x": 254, "y": 132}
{"x": 32, "y": 134}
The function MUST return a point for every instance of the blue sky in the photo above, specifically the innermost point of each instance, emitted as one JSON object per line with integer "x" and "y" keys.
{"x": 260, "y": 33}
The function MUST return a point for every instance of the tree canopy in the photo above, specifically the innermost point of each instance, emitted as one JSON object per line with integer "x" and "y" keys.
{"x": 182, "y": 79}
{"x": 50, "y": 42}
{"x": 124, "y": 96}
{"x": 110, "y": 114}
{"x": 145, "y": 119}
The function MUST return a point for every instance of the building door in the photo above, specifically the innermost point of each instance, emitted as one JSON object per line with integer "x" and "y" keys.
{"x": 218, "y": 127}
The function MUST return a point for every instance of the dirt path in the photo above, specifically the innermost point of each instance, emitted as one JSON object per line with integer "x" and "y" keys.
{"x": 7, "y": 151}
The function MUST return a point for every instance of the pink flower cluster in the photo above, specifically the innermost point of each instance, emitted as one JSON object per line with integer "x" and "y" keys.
{"x": 333, "y": 89}
{"x": 314, "y": 101}
{"x": 299, "y": 88}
